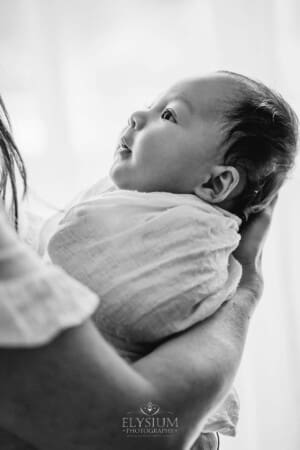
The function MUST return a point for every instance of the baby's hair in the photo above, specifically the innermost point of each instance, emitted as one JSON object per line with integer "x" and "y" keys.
{"x": 262, "y": 134}
{"x": 10, "y": 160}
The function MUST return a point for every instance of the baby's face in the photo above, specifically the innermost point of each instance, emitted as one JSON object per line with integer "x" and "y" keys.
{"x": 174, "y": 144}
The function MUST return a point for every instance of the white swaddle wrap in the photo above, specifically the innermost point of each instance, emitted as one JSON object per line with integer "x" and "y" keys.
{"x": 160, "y": 262}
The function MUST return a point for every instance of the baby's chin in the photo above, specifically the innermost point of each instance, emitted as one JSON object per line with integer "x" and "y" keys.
{"x": 128, "y": 178}
{"x": 120, "y": 180}
{"x": 129, "y": 183}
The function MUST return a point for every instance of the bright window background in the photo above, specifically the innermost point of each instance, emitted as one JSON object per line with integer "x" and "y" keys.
{"x": 72, "y": 71}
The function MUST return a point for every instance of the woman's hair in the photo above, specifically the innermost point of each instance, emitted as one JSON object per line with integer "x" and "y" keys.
{"x": 262, "y": 134}
{"x": 10, "y": 160}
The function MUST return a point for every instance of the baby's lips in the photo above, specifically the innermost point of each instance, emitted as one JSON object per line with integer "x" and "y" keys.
{"x": 124, "y": 143}
{"x": 124, "y": 152}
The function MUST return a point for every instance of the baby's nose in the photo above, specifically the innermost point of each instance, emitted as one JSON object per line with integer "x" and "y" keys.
{"x": 137, "y": 120}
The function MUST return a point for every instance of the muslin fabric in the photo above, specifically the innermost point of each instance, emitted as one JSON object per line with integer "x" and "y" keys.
{"x": 159, "y": 262}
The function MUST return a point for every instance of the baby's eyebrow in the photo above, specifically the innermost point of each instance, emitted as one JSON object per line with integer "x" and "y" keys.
{"x": 184, "y": 100}
{"x": 181, "y": 98}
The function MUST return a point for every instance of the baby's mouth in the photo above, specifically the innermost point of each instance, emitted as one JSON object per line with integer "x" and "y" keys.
{"x": 123, "y": 149}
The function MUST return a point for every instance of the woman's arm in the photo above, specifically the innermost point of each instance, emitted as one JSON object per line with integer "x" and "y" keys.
{"x": 73, "y": 392}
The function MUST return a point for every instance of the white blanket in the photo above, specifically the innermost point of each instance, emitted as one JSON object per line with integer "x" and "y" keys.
{"x": 160, "y": 262}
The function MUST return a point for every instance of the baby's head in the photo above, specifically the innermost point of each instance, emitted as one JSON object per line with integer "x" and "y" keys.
{"x": 224, "y": 137}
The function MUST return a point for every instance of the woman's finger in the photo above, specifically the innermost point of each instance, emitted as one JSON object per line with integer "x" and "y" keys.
{"x": 253, "y": 235}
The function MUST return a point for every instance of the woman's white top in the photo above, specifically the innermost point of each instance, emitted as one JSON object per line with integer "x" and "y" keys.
{"x": 36, "y": 307}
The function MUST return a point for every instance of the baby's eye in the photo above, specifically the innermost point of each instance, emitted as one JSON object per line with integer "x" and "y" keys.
{"x": 169, "y": 114}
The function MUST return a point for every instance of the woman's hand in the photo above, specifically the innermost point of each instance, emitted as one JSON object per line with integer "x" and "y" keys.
{"x": 249, "y": 252}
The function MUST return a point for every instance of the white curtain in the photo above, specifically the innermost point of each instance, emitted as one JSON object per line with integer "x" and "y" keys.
{"x": 71, "y": 72}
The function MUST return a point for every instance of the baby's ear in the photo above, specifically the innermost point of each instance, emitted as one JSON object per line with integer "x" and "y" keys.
{"x": 219, "y": 184}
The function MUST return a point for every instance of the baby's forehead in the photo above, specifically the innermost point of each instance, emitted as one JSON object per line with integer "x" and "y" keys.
{"x": 207, "y": 96}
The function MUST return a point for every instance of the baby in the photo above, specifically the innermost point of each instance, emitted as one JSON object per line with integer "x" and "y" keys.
{"x": 225, "y": 138}
{"x": 155, "y": 241}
